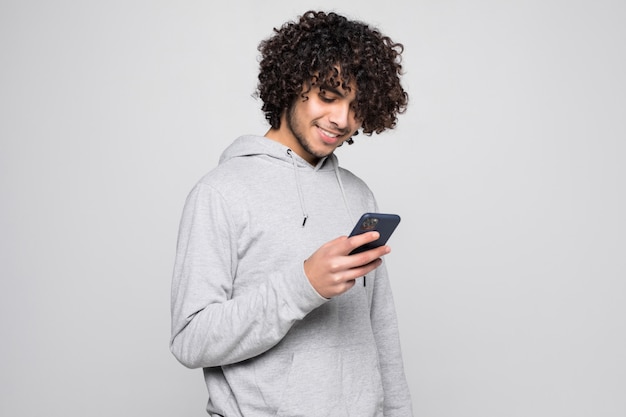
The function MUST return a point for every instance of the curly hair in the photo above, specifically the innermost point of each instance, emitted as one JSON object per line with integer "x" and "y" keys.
{"x": 328, "y": 49}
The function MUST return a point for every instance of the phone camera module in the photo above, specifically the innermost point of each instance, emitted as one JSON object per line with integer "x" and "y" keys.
{"x": 369, "y": 224}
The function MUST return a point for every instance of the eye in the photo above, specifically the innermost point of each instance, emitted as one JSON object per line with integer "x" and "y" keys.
{"x": 325, "y": 98}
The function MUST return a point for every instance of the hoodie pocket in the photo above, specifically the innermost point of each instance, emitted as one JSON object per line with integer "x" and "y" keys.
{"x": 314, "y": 386}
{"x": 333, "y": 382}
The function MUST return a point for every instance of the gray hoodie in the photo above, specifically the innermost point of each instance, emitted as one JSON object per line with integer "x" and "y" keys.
{"x": 243, "y": 309}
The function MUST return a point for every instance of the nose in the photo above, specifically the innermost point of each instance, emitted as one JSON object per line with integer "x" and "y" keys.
{"x": 340, "y": 115}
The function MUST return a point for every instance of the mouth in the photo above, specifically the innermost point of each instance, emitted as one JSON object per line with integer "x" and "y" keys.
{"x": 329, "y": 136}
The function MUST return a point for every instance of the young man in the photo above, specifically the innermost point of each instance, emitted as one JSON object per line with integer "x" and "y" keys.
{"x": 265, "y": 296}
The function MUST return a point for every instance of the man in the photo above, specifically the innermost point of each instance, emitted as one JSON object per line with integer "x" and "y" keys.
{"x": 265, "y": 296}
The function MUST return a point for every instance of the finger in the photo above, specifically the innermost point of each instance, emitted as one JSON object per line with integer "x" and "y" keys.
{"x": 356, "y": 241}
{"x": 363, "y": 270}
{"x": 363, "y": 258}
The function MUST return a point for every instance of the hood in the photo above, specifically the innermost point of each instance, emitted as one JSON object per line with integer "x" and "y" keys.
{"x": 262, "y": 147}
{"x": 252, "y": 145}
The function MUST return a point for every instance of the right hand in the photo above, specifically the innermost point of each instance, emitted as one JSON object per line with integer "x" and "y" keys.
{"x": 332, "y": 271}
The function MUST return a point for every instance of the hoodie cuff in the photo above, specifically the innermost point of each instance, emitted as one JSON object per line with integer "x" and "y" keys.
{"x": 301, "y": 297}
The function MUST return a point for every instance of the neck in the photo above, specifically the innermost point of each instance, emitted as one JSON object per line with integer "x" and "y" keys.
{"x": 284, "y": 136}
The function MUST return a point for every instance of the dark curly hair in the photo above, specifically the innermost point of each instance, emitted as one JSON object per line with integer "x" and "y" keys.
{"x": 328, "y": 49}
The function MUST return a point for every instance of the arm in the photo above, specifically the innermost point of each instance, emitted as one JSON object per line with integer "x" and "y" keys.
{"x": 209, "y": 326}
{"x": 385, "y": 327}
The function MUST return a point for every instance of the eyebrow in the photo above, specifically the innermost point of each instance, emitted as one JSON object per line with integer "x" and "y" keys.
{"x": 331, "y": 89}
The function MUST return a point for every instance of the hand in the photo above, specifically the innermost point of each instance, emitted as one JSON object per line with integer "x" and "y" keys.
{"x": 332, "y": 271}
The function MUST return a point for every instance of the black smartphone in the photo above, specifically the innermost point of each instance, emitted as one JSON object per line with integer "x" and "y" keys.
{"x": 382, "y": 223}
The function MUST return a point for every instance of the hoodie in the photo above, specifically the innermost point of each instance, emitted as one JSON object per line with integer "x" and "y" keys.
{"x": 244, "y": 311}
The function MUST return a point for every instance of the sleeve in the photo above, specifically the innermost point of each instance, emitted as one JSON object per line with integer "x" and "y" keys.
{"x": 397, "y": 401}
{"x": 209, "y": 326}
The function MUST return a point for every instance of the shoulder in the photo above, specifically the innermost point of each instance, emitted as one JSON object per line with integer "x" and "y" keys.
{"x": 357, "y": 190}
{"x": 229, "y": 174}
{"x": 351, "y": 179}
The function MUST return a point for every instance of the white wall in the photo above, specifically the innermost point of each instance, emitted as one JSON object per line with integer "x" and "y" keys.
{"x": 509, "y": 267}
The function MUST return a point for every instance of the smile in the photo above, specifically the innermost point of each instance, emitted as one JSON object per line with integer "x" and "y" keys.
{"x": 329, "y": 134}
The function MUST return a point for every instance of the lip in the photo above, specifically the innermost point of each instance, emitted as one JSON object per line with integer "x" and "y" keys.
{"x": 330, "y": 140}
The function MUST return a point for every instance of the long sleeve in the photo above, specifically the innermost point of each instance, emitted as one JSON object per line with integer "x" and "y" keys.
{"x": 397, "y": 401}
{"x": 210, "y": 326}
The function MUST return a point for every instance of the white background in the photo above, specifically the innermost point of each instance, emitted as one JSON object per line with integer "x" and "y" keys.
{"x": 509, "y": 266}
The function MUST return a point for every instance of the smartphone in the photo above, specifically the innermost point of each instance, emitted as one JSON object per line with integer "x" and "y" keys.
{"x": 382, "y": 223}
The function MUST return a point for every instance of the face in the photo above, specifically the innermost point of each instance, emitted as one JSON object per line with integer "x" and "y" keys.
{"x": 315, "y": 127}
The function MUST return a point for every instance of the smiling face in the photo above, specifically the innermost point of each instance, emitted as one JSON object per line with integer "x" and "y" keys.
{"x": 315, "y": 126}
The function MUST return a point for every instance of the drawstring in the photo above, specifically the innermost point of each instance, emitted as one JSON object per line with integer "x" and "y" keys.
{"x": 305, "y": 216}
{"x": 295, "y": 170}
{"x": 345, "y": 202}
{"x": 343, "y": 191}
